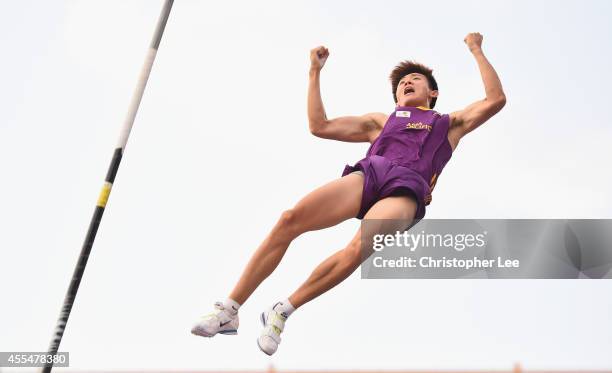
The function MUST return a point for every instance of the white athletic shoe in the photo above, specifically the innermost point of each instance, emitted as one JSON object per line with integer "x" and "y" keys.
{"x": 220, "y": 322}
{"x": 273, "y": 323}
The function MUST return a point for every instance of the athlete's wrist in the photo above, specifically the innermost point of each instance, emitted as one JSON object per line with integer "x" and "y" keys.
{"x": 314, "y": 71}
{"x": 476, "y": 51}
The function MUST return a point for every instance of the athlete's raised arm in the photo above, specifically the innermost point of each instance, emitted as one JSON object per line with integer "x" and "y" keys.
{"x": 468, "y": 119}
{"x": 363, "y": 128}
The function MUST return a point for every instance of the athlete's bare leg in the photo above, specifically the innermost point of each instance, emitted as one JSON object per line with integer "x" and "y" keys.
{"x": 326, "y": 206}
{"x": 340, "y": 265}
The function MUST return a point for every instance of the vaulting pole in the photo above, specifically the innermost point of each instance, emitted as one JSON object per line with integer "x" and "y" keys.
{"x": 108, "y": 183}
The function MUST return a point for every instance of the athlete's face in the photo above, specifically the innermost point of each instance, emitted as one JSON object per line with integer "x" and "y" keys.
{"x": 413, "y": 90}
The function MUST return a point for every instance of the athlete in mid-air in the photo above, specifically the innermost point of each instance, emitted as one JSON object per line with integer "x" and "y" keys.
{"x": 409, "y": 148}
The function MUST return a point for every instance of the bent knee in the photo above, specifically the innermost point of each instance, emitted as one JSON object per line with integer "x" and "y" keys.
{"x": 289, "y": 222}
{"x": 287, "y": 217}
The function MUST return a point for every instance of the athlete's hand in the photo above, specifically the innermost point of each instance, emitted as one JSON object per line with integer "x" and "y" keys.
{"x": 473, "y": 41}
{"x": 318, "y": 56}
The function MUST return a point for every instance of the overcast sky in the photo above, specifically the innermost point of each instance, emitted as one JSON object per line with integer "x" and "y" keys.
{"x": 220, "y": 147}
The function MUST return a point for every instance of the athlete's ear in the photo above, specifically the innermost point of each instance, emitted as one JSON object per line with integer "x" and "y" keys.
{"x": 433, "y": 93}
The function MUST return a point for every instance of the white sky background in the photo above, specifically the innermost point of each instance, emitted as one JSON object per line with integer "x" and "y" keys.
{"x": 220, "y": 147}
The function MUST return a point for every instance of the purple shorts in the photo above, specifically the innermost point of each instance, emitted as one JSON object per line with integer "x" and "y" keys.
{"x": 383, "y": 179}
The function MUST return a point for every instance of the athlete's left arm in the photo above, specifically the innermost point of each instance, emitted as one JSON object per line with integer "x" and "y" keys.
{"x": 468, "y": 119}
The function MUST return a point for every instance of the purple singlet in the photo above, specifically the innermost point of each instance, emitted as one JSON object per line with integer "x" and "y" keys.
{"x": 406, "y": 158}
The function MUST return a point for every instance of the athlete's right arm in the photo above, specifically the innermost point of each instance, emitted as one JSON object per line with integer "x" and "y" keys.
{"x": 363, "y": 128}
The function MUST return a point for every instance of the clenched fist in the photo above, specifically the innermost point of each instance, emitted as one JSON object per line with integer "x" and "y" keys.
{"x": 318, "y": 56}
{"x": 473, "y": 41}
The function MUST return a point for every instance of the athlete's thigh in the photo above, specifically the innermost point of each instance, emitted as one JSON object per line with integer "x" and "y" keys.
{"x": 331, "y": 203}
{"x": 387, "y": 216}
{"x": 394, "y": 207}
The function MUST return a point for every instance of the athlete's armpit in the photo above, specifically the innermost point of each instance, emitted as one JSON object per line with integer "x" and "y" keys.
{"x": 475, "y": 114}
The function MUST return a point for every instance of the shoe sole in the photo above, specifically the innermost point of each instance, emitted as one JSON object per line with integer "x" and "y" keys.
{"x": 202, "y": 333}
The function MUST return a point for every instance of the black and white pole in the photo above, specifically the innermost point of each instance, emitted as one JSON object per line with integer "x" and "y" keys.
{"x": 108, "y": 183}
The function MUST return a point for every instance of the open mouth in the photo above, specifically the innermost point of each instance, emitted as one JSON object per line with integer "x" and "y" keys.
{"x": 408, "y": 90}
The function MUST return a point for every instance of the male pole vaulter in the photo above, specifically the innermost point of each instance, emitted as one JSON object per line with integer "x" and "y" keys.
{"x": 409, "y": 148}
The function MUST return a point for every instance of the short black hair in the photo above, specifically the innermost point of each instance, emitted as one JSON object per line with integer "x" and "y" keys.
{"x": 408, "y": 67}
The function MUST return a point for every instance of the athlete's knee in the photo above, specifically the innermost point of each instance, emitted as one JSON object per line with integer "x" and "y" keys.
{"x": 289, "y": 222}
{"x": 288, "y": 218}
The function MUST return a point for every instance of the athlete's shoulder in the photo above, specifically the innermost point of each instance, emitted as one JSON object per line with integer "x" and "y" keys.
{"x": 379, "y": 118}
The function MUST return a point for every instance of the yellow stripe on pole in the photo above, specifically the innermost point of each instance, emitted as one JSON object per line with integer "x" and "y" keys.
{"x": 104, "y": 193}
